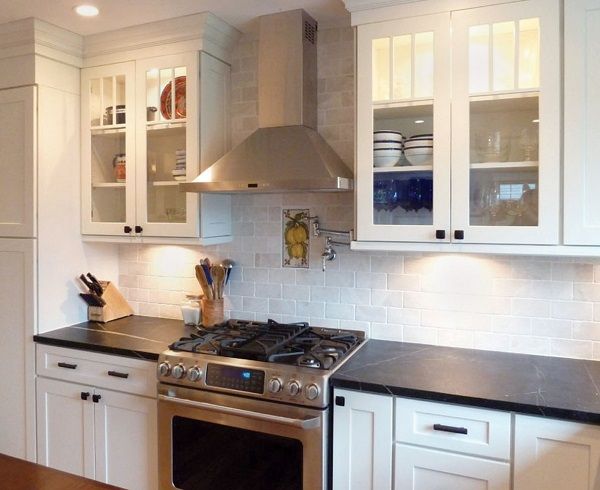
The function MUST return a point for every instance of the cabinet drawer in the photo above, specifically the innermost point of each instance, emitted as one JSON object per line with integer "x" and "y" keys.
{"x": 453, "y": 428}
{"x": 99, "y": 370}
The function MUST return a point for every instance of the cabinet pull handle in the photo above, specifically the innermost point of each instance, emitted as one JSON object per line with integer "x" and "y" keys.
{"x": 340, "y": 401}
{"x": 449, "y": 428}
{"x": 440, "y": 234}
{"x": 459, "y": 234}
{"x": 66, "y": 365}
{"x": 138, "y": 229}
{"x": 117, "y": 374}
{"x": 96, "y": 398}
{"x": 85, "y": 395}
{"x": 127, "y": 229}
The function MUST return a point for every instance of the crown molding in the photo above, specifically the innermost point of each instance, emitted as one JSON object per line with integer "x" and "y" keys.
{"x": 204, "y": 31}
{"x": 35, "y": 36}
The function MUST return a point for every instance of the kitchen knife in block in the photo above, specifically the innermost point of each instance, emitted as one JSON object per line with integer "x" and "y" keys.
{"x": 116, "y": 306}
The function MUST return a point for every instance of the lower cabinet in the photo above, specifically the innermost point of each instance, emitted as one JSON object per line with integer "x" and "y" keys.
{"x": 428, "y": 469}
{"x": 362, "y": 441}
{"x": 95, "y": 430}
{"x": 556, "y": 455}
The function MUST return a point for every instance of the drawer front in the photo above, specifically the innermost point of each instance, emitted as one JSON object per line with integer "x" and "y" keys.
{"x": 99, "y": 370}
{"x": 453, "y": 428}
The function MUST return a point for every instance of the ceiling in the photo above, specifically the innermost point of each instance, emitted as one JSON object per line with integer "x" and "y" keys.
{"x": 115, "y": 14}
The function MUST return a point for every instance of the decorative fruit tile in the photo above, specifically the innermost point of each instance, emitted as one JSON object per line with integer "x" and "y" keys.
{"x": 296, "y": 238}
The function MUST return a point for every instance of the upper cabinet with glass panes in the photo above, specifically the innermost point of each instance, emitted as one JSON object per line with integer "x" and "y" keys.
{"x": 457, "y": 124}
{"x": 152, "y": 118}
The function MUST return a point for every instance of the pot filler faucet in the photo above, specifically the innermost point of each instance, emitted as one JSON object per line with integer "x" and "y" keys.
{"x": 329, "y": 252}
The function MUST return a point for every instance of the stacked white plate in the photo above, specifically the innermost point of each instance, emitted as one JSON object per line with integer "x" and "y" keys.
{"x": 387, "y": 148}
{"x": 418, "y": 149}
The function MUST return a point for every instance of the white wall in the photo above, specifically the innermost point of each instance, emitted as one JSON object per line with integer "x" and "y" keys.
{"x": 534, "y": 305}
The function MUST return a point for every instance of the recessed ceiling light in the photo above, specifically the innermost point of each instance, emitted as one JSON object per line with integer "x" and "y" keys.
{"x": 86, "y": 10}
{"x": 419, "y": 121}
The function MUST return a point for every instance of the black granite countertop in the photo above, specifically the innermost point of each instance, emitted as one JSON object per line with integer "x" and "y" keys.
{"x": 550, "y": 386}
{"x": 134, "y": 336}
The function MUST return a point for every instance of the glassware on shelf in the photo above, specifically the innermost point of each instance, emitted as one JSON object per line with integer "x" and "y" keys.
{"x": 493, "y": 146}
{"x": 120, "y": 167}
{"x": 528, "y": 142}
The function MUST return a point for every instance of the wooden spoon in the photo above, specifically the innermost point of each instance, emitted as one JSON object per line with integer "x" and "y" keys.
{"x": 203, "y": 282}
{"x": 218, "y": 275}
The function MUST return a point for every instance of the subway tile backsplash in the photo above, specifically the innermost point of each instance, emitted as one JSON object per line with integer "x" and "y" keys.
{"x": 538, "y": 305}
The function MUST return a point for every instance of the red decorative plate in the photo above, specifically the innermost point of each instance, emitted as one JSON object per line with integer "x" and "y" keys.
{"x": 165, "y": 99}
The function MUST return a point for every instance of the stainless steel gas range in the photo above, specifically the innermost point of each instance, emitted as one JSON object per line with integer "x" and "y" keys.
{"x": 245, "y": 405}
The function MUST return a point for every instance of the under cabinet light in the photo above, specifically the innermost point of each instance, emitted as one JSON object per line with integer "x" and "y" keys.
{"x": 86, "y": 10}
{"x": 419, "y": 121}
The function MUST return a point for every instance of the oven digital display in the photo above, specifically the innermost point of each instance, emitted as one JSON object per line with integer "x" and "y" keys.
{"x": 235, "y": 378}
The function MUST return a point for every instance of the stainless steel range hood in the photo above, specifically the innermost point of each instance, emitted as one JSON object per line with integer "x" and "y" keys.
{"x": 286, "y": 153}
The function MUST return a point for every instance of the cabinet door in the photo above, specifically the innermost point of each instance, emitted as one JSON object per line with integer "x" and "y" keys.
{"x": 506, "y": 123}
{"x": 17, "y": 162}
{"x": 582, "y": 124}
{"x": 17, "y": 320}
{"x": 167, "y": 144}
{"x": 427, "y": 469}
{"x": 126, "y": 446}
{"x": 403, "y": 101}
{"x": 65, "y": 427}
{"x": 108, "y": 149}
{"x": 362, "y": 441}
{"x": 555, "y": 455}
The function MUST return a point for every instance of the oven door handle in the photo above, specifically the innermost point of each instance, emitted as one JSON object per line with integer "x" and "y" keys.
{"x": 264, "y": 417}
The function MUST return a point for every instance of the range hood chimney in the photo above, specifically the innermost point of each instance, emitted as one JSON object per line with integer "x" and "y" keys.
{"x": 286, "y": 153}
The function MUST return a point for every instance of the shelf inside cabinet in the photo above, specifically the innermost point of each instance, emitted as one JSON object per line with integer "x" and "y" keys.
{"x": 416, "y": 108}
{"x": 509, "y": 102}
{"x": 504, "y": 165}
{"x": 108, "y": 185}
{"x": 158, "y": 125}
{"x": 117, "y": 128}
{"x": 407, "y": 168}
{"x": 166, "y": 183}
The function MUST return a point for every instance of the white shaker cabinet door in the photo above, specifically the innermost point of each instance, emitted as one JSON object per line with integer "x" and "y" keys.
{"x": 582, "y": 123}
{"x": 65, "y": 427}
{"x": 17, "y": 162}
{"x": 427, "y": 469}
{"x": 126, "y": 445}
{"x": 362, "y": 441}
{"x": 17, "y": 403}
{"x": 555, "y": 455}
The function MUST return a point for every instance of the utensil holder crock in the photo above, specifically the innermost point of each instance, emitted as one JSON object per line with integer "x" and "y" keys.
{"x": 212, "y": 312}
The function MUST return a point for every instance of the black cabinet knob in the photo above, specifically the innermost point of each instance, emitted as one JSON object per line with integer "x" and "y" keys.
{"x": 96, "y": 398}
{"x": 127, "y": 229}
{"x": 459, "y": 234}
{"x": 138, "y": 229}
{"x": 440, "y": 234}
{"x": 340, "y": 401}
{"x": 85, "y": 395}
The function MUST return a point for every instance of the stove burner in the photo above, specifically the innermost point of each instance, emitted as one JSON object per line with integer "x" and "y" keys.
{"x": 294, "y": 343}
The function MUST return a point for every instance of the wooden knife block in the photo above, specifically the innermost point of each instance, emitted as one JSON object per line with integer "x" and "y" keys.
{"x": 116, "y": 305}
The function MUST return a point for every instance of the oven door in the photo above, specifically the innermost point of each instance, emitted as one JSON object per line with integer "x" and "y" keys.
{"x": 212, "y": 440}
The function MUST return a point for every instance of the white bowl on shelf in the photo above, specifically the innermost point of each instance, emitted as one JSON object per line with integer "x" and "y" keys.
{"x": 387, "y": 145}
{"x": 388, "y": 136}
{"x": 385, "y": 161}
{"x": 418, "y": 144}
{"x": 419, "y": 156}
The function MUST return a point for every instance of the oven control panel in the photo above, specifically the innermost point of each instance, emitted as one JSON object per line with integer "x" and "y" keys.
{"x": 235, "y": 378}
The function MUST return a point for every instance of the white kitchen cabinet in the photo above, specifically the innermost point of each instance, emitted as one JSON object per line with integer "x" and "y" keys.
{"x": 555, "y": 455}
{"x": 582, "y": 125}
{"x": 106, "y": 431}
{"x": 137, "y": 136}
{"x": 17, "y": 322}
{"x": 494, "y": 177}
{"x": 418, "y": 468}
{"x": 362, "y": 441}
{"x": 17, "y": 162}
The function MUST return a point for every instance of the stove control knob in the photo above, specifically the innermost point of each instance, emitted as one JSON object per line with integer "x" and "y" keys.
{"x": 164, "y": 368}
{"x": 293, "y": 387}
{"x": 275, "y": 385}
{"x": 312, "y": 391}
{"x": 178, "y": 371}
{"x": 194, "y": 374}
